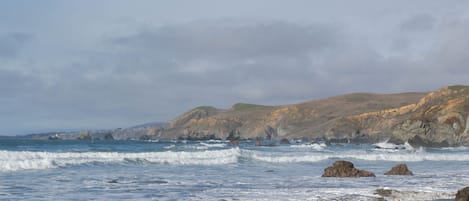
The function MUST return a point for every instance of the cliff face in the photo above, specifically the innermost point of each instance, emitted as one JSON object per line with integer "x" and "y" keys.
{"x": 435, "y": 119}
{"x": 314, "y": 119}
{"x": 438, "y": 119}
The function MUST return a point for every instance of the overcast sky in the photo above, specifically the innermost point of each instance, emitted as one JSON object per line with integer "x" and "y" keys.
{"x": 110, "y": 63}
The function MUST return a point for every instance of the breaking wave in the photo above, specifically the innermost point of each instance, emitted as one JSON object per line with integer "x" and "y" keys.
{"x": 414, "y": 156}
{"x": 314, "y": 146}
{"x": 26, "y": 160}
{"x": 388, "y": 145}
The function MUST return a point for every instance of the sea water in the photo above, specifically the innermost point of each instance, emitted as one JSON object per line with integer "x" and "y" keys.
{"x": 216, "y": 170}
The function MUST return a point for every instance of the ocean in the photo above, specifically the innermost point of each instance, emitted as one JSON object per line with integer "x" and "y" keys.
{"x": 215, "y": 170}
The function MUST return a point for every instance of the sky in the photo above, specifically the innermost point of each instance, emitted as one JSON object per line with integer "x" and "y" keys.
{"x": 113, "y": 63}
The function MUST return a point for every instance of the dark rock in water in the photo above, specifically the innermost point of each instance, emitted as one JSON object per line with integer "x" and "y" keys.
{"x": 387, "y": 194}
{"x": 462, "y": 195}
{"x": 269, "y": 171}
{"x": 345, "y": 169}
{"x": 384, "y": 192}
{"x": 54, "y": 137}
{"x": 400, "y": 169}
{"x": 114, "y": 181}
{"x": 108, "y": 136}
{"x": 258, "y": 142}
{"x": 144, "y": 137}
{"x": 284, "y": 141}
{"x": 418, "y": 141}
{"x": 234, "y": 142}
{"x": 379, "y": 199}
{"x": 234, "y": 135}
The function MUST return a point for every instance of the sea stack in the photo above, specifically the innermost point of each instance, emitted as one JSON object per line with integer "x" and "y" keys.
{"x": 400, "y": 169}
{"x": 345, "y": 169}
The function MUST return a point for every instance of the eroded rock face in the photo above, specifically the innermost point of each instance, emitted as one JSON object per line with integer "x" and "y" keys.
{"x": 400, "y": 169}
{"x": 462, "y": 195}
{"x": 345, "y": 169}
{"x": 439, "y": 119}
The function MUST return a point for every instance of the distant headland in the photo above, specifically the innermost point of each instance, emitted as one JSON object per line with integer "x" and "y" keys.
{"x": 438, "y": 118}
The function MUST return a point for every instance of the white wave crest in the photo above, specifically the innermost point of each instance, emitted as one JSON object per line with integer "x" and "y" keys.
{"x": 388, "y": 145}
{"x": 218, "y": 145}
{"x": 279, "y": 158}
{"x": 25, "y": 160}
{"x": 315, "y": 157}
{"x": 314, "y": 146}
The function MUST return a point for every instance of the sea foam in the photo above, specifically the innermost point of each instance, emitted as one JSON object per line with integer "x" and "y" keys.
{"x": 387, "y": 145}
{"x": 403, "y": 156}
{"x": 25, "y": 160}
{"x": 314, "y": 146}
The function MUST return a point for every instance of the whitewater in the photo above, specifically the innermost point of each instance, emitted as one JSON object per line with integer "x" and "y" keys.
{"x": 216, "y": 170}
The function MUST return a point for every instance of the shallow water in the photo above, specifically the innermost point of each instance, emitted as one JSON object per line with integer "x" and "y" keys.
{"x": 214, "y": 170}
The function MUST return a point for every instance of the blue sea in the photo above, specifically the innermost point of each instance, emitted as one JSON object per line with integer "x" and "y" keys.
{"x": 216, "y": 170}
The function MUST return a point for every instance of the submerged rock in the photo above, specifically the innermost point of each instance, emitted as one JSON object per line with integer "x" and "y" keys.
{"x": 54, "y": 137}
{"x": 384, "y": 192}
{"x": 462, "y": 195}
{"x": 114, "y": 181}
{"x": 234, "y": 142}
{"x": 345, "y": 169}
{"x": 393, "y": 194}
{"x": 400, "y": 169}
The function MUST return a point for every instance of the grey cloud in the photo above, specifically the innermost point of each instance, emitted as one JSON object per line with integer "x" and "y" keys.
{"x": 221, "y": 40}
{"x": 254, "y": 55}
{"x": 11, "y": 43}
{"x": 14, "y": 84}
{"x": 450, "y": 54}
{"x": 272, "y": 63}
{"x": 418, "y": 23}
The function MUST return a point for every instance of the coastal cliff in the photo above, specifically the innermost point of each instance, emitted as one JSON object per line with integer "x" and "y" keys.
{"x": 426, "y": 119}
{"x": 313, "y": 119}
{"x": 438, "y": 118}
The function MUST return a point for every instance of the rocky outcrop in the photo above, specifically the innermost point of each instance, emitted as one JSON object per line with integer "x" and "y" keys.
{"x": 438, "y": 119}
{"x": 345, "y": 169}
{"x": 462, "y": 194}
{"x": 400, "y": 169}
